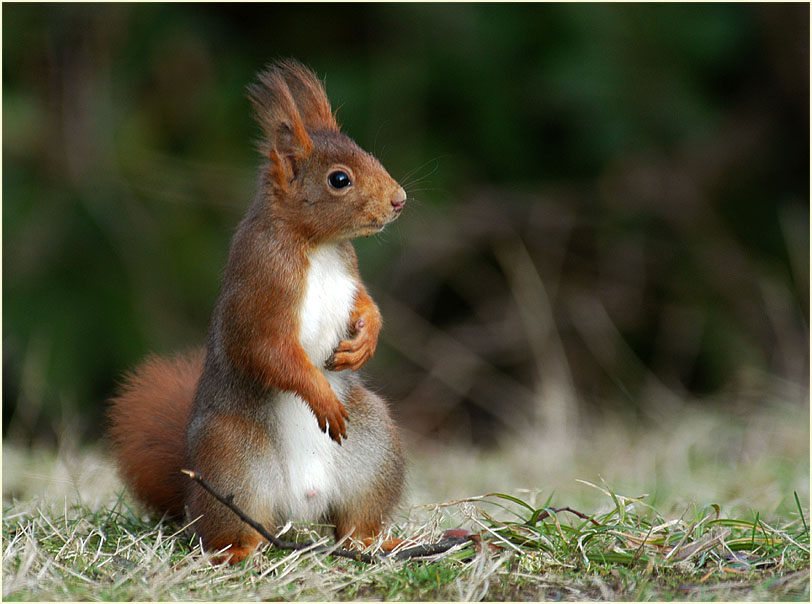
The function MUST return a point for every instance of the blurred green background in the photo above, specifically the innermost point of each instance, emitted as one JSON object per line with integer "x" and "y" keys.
{"x": 608, "y": 216}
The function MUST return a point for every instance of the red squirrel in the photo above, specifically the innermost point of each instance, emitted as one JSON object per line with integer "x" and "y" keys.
{"x": 269, "y": 412}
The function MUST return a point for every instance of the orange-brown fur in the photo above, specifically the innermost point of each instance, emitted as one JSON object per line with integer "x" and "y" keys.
{"x": 148, "y": 428}
{"x": 218, "y": 526}
{"x": 223, "y": 415}
{"x": 366, "y": 322}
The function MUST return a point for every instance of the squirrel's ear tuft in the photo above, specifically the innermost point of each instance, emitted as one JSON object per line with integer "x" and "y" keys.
{"x": 309, "y": 95}
{"x": 276, "y": 112}
{"x": 287, "y": 92}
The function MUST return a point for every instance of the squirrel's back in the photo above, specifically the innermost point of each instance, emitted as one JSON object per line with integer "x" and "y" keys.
{"x": 147, "y": 427}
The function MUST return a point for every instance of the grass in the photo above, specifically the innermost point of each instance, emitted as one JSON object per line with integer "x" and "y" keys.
{"x": 630, "y": 552}
{"x": 716, "y": 527}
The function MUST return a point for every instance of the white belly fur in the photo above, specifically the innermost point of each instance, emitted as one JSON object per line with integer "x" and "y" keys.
{"x": 328, "y": 301}
{"x": 302, "y": 489}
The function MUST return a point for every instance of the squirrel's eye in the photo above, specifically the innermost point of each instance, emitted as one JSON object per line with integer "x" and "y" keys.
{"x": 338, "y": 179}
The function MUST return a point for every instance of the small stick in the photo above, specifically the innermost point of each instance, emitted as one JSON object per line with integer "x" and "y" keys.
{"x": 413, "y": 552}
{"x": 546, "y": 514}
{"x": 428, "y": 549}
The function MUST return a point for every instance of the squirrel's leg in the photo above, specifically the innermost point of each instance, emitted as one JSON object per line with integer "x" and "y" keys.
{"x": 363, "y": 512}
{"x": 223, "y": 439}
{"x": 218, "y": 528}
{"x": 363, "y": 527}
{"x": 283, "y": 364}
{"x": 368, "y": 535}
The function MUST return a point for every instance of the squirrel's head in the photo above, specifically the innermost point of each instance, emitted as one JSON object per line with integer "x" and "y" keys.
{"x": 317, "y": 178}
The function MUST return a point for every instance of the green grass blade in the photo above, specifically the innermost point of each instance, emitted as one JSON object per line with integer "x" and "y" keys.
{"x": 515, "y": 500}
{"x": 800, "y": 511}
{"x": 753, "y": 538}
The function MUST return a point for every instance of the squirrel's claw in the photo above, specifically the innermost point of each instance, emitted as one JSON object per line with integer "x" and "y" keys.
{"x": 338, "y": 427}
{"x": 330, "y": 412}
{"x": 352, "y": 354}
{"x": 353, "y": 361}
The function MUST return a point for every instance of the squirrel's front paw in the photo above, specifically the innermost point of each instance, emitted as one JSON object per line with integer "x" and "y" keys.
{"x": 332, "y": 415}
{"x": 353, "y": 353}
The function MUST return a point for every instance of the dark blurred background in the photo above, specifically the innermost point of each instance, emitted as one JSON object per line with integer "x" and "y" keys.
{"x": 609, "y": 204}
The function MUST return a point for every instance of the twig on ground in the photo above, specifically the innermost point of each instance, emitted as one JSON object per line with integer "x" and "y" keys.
{"x": 418, "y": 551}
{"x": 546, "y": 514}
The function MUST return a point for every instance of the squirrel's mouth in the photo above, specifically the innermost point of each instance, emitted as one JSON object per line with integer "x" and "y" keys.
{"x": 389, "y": 220}
{"x": 370, "y": 229}
{"x": 375, "y": 226}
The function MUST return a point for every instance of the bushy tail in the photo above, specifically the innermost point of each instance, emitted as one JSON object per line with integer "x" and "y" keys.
{"x": 147, "y": 427}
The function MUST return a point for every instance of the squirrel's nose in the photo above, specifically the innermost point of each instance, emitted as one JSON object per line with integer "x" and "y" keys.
{"x": 399, "y": 200}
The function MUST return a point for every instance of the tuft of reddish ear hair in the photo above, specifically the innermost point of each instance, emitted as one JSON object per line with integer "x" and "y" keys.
{"x": 289, "y": 100}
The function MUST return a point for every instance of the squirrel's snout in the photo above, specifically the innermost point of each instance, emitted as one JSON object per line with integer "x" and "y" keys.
{"x": 399, "y": 200}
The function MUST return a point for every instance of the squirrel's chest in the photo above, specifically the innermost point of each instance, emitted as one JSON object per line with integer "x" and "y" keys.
{"x": 327, "y": 303}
